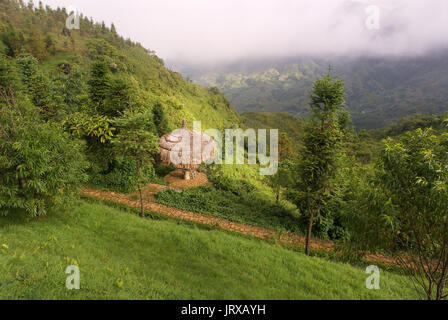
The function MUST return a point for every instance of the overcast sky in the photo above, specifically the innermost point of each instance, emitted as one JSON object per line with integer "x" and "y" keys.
{"x": 218, "y": 31}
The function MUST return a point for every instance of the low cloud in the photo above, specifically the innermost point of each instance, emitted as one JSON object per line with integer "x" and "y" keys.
{"x": 221, "y": 31}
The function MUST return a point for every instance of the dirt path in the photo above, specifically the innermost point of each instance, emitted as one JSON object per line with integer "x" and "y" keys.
{"x": 254, "y": 231}
{"x": 149, "y": 203}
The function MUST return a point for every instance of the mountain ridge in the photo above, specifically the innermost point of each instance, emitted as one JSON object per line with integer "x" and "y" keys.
{"x": 380, "y": 90}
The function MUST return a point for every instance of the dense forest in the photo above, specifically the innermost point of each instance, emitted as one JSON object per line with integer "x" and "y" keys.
{"x": 87, "y": 108}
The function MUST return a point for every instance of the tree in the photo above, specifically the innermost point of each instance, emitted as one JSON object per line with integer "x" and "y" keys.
{"x": 37, "y": 86}
{"x": 160, "y": 119}
{"x": 94, "y": 127}
{"x": 282, "y": 179}
{"x": 406, "y": 206}
{"x": 13, "y": 40}
{"x": 113, "y": 30}
{"x": 40, "y": 165}
{"x": 118, "y": 97}
{"x": 69, "y": 85}
{"x": 136, "y": 141}
{"x": 98, "y": 85}
{"x": 322, "y": 135}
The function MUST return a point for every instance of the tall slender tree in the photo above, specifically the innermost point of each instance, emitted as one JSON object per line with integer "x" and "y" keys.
{"x": 136, "y": 141}
{"x": 160, "y": 119}
{"x": 322, "y": 135}
{"x": 98, "y": 85}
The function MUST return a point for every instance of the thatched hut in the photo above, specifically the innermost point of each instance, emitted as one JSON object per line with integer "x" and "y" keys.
{"x": 173, "y": 144}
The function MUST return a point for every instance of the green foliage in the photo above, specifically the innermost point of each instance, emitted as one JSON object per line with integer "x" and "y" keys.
{"x": 13, "y": 41}
{"x": 284, "y": 178}
{"x": 241, "y": 188}
{"x": 88, "y": 78}
{"x": 50, "y": 43}
{"x": 35, "y": 44}
{"x": 121, "y": 176}
{"x": 28, "y": 66}
{"x": 160, "y": 119}
{"x": 327, "y": 99}
{"x": 318, "y": 162}
{"x": 136, "y": 138}
{"x": 405, "y": 208}
{"x": 101, "y": 50}
{"x": 99, "y": 85}
{"x": 137, "y": 141}
{"x": 285, "y": 147}
{"x": 285, "y": 122}
{"x": 40, "y": 166}
{"x": 90, "y": 126}
{"x": 409, "y": 123}
{"x": 235, "y": 205}
{"x": 38, "y": 88}
{"x": 119, "y": 97}
{"x": 67, "y": 89}
{"x": 9, "y": 82}
{"x": 239, "y": 193}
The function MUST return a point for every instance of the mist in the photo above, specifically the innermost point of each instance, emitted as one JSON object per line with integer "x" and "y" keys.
{"x": 224, "y": 31}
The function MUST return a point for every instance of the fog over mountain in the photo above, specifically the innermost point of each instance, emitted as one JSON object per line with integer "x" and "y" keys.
{"x": 265, "y": 54}
{"x": 222, "y": 31}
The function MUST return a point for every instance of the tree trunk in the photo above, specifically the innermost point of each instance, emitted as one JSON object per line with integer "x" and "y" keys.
{"x": 308, "y": 233}
{"x": 141, "y": 199}
{"x": 140, "y": 192}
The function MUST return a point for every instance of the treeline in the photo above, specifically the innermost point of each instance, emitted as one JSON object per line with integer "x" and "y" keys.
{"x": 41, "y": 31}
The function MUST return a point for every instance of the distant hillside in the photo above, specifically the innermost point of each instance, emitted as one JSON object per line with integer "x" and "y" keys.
{"x": 282, "y": 121}
{"x": 41, "y": 32}
{"x": 379, "y": 90}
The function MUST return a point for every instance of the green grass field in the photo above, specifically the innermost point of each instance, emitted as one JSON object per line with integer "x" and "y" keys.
{"x": 121, "y": 256}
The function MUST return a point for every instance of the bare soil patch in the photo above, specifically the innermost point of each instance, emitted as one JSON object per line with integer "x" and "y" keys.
{"x": 176, "y": 180}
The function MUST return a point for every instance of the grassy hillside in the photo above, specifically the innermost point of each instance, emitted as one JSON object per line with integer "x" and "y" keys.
{"x": 42, "y": 33}
{"x": 121, "y": 256}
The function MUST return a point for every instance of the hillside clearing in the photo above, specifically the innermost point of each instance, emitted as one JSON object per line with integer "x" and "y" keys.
{"x": 122, "y": 256}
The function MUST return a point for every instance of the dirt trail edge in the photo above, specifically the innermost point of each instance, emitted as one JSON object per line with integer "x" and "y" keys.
{"x": 254, "y": 231}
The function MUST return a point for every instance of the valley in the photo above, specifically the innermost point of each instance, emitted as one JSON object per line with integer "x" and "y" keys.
{"x": 379, "y": 90}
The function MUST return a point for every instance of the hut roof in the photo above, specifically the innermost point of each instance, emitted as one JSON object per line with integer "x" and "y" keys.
{"x": 176, "y": 141}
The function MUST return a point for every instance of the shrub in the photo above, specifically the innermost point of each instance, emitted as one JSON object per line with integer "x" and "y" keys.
{"x": 40, "y": 165}
{"x": 121, "y": 177}
{"x": 227, "y": 205}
